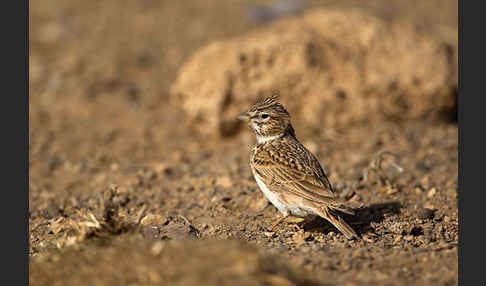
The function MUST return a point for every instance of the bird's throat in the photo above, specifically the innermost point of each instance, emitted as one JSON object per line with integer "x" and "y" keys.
{"x": 263, "y": 139}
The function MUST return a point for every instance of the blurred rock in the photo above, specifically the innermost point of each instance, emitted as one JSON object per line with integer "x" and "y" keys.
{"x": 153, "y": 220}
{"x": 210, "y": 262}
{"x": 331, "y": 68}
{"x": 425, "y": 213}
{"x": 431, "y": 192}
{"x": 224, "y": 181}
{"x": 179, "y": 231}
{"x": 257, "y": 203}
{"x": 277, "y": 9}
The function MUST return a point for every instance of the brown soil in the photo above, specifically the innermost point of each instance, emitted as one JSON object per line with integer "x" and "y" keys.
{"x": 124, "y": 192}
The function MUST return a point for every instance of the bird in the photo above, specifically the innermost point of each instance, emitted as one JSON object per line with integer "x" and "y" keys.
{"x": 288, "y": 174}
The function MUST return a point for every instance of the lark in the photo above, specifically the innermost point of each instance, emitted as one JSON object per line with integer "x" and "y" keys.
{"x": 288, "y": 174}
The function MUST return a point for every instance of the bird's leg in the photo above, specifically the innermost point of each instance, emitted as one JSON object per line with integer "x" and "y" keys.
{"x": 279, "y": 221}
{"x": 295, "y": 220}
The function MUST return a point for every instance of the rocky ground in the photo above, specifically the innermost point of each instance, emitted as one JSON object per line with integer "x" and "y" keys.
{"x": 130, "y": 186}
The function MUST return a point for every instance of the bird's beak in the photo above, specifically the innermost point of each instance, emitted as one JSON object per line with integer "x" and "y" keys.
{"x": 244, "y": 117}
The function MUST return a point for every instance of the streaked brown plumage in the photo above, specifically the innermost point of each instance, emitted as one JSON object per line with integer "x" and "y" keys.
{"x": 286, "y": 172}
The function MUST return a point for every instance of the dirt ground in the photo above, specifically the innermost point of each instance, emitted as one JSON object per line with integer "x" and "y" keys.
{"x": 123, "y": 191}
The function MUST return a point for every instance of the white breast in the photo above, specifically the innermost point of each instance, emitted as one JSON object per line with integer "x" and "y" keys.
{"x": 272, "y": 197}
{"x": 297, "y": 210}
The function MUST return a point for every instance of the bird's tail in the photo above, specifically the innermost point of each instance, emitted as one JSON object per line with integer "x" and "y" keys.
{"x": 343, "y": 208}
{"x": 339, "y": 223}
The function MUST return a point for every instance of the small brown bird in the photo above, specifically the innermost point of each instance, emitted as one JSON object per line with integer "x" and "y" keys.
{"x": 287, "y": 173}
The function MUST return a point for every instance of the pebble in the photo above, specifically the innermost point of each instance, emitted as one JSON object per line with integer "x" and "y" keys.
{"x": 224, "y": 182}
{"x": 153, "y": 220}
{"x": 380, "y": 275}
{"x": 431, "y": 192}
{"x": 178, "y": 231}
{"x": 452, "y": 193}
{"x": 425, "y": 181}
{"x": 157, "y": 248}
{"x": 429, "y": 206}
{"x": 408, "y": 237}
{"x": 258, "y": 203}
{"x": 300, "y": 237}
{"x": 447, "y": 219}
{"x": 270, "y": 234}
{"x": 425, "y": 213}
{"x": 162, "y": 168}
{"x": 367, "y": 238}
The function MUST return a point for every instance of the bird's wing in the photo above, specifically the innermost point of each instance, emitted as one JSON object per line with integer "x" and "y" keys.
{"x": 294, "y": 173}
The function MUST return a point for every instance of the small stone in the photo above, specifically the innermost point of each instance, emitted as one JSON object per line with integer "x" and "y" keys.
{"x": 425, "y": 213}
{"x": 157, "y": 248}
{"x": 439, "y": 217}
{"x": 367, "y": 238}
{"x": 224, "y": 182}
{"x": 429, "y": 206}
{"x": 272, "y": 279}
{"x": 447, "y": 219}
{"x": 179, "y": 231}
{"x": 308, "y": 236}
{"x": 431, "y": 192}
{"x": 269, "y": 234}
{"x": 451, "y": 193}
{"x": 258, "y": 203}
{"x": 380, "y": 275}
{"x": 153, "y": 220}
{"x": 154, "y": 276}
{"x": 50, "y": 212}
{"x": 408, "y": 237}
{"x": 162, "y": 168}
{"x": 301, "y": 236}
{"x": 425, "y": 182}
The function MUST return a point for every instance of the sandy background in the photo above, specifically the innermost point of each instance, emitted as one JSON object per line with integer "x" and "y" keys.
{"x": 139, "y": 174}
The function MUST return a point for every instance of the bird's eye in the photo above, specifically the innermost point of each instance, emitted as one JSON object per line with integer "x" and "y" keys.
{"x": 264, "y": 116}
